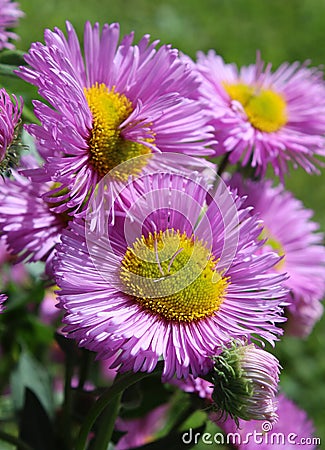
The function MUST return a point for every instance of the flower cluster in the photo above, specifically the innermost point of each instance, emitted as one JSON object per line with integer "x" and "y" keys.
{"x": 161, "y": 260}
{"x": 10, "y": 13}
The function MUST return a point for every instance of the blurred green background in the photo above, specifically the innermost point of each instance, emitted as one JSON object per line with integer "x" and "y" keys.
{"x": 282, "y": 30}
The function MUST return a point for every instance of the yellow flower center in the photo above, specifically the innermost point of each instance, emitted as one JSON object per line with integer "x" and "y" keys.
{"x": 275, "y": 245}
{"x": 173, "y": 276}
{"x": 107, "y": 146}
{"x": 266, "y": 110}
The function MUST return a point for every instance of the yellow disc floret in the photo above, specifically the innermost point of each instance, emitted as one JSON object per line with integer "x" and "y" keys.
{"x": 173, "y": 276}
{"x": 266, "y": 109}
{"x": 107, "y": 146}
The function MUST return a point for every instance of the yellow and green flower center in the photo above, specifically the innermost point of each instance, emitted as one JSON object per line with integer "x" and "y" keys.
{"x": 275, "y": 245}
{"x": 173, "y": 276}
{"x": 266, "y": 109}
{"x": 107, "y": 146}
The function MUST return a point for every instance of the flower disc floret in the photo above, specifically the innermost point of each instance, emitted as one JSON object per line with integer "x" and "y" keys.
{"x": 107, "y": 146}
{"x": 265, "y": 108}
{"x": 158, "y": 272}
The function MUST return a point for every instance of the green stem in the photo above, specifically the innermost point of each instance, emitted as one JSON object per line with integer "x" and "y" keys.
{"x": 67, "y": 405}
{"x": 86, "y": 358}
{"x": 106, "y": 424}
{"x": 223, "y": 164}
{"x": 120, "y": 384}
{"x": 7, "y": 70}
{"x": 183, "y": 416}
{"x": 14, "y": 440}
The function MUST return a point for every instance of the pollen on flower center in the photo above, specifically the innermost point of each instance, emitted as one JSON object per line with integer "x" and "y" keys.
{"x": 173, "y": 276}
{"x": 107, "y": 146}
{"x": 266, "y": 110}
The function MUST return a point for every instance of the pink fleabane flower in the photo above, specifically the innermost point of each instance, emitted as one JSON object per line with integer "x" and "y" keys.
{"x": 15, "y": 272}
{"x": 3, "y": 298}
{"x": 120, "y": 101}
{"x": 289, "y": 231}
{"x": 293, "y": 428}
{"x": 9, "y": 15}
{"x": 141, "y": 431}
{"x": 199, "y": 386}
{"x": 263, "y": 117}
{"x": 29, "y": 226}
{"x": 10, "y": 114}
{"x": 169, "y": 280}
{"x": 48, "y": 313}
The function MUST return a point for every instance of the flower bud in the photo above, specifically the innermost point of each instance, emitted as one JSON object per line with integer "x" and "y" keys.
{"x": 245, "y": 380}
{"x": 10, "y": 145}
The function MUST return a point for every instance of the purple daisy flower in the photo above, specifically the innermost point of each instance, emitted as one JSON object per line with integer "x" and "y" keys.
{"x": 3, "y": 298}
{"x": 9, "y": 15}
{"x": 199, "y": 386}
{"x": 120, "y": 101}
{"x": 30, "y": 227}
{"x": 142, "y": 430}
{"x": 303, "y": 314}
{"x": 293, "y": 428}
{"x": 15, "y": 272}
{"x": 174, "y": 278}
{"x": 289, "y": 231}
{"x": 48, "y": 313}
{"x": 262, "y": 117}
{"x": 10, "y": 114}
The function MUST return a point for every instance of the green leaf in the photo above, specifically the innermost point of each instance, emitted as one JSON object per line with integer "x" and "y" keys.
{"x": 68, "y": 346}
{"x": 7, "y": 70}
{"x": 151, "y": 393}
{"x": 35, "y": 426}
{"x": 29, "y": 373}
{"x": 12, "y": 57}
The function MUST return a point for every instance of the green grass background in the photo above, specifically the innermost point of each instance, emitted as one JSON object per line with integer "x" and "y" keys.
{"x": 282, "y": 30}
